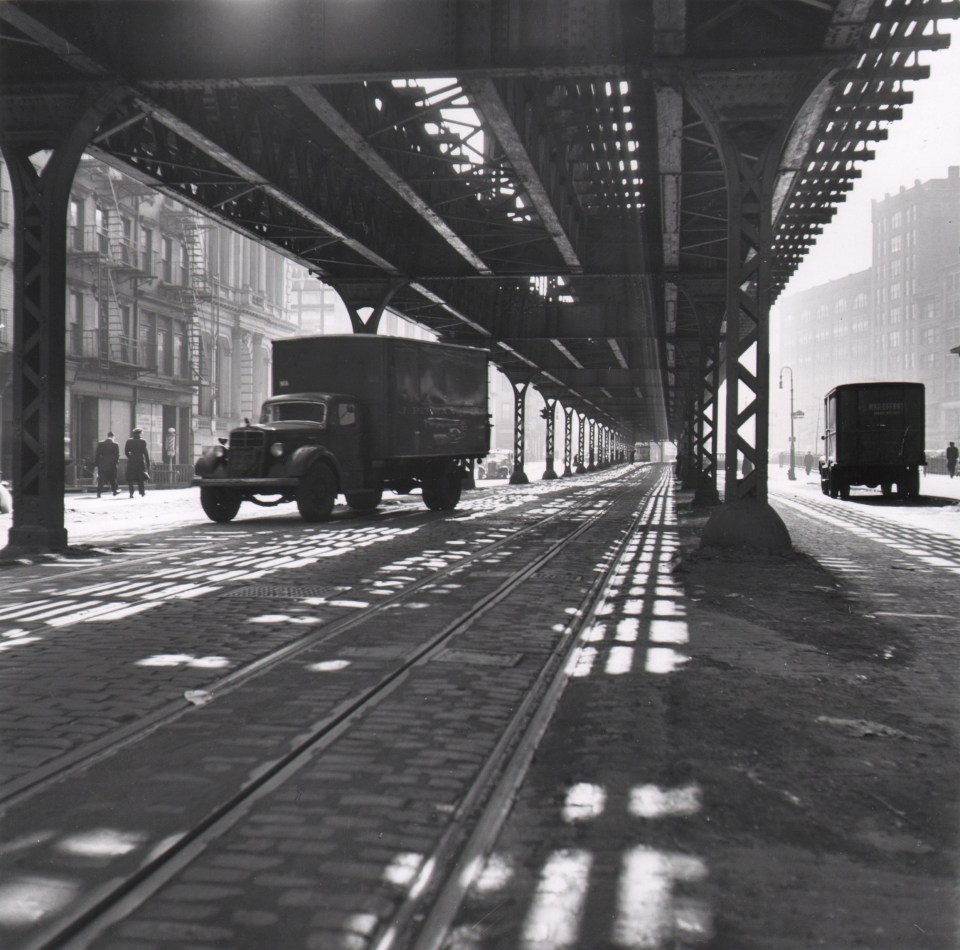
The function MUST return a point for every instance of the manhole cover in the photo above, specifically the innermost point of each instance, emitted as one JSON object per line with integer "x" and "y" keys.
{"x": 280, "y": 592}
{"x": 477, "y": 658}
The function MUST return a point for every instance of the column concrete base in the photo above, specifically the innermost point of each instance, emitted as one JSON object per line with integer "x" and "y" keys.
{"x": 34, "y": 539}
{"x": 746, "y": 524}
{"x": 519, "y": 478}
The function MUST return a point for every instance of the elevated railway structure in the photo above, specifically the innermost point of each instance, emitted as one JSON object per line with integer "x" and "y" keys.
{"x": 607, "y": 195}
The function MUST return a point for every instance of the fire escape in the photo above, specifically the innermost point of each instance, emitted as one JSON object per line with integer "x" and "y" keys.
{"x": 201, "y": 309}
{"x": 116, "y": 266}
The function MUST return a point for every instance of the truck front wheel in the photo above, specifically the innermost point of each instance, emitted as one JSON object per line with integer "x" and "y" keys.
{"x": 316, "y": 494}
{"x": 442, "y": 487}
{"x": 220, "y": 504}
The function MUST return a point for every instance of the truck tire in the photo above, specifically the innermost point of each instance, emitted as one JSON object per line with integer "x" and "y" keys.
{"x": 909, "y": 487}
{"x": 364, "y": 500}
{"x": 220, "y": 504}
{"x": 316, "y": 493}
{"x": 834, "y": 484}
{"x": 442, "y": 487}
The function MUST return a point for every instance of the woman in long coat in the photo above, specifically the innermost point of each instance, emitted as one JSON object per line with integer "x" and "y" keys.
{"x": 138, "y": 460}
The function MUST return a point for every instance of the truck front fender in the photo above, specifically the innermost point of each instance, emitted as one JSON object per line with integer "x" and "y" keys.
{"x": 304, "y": 457}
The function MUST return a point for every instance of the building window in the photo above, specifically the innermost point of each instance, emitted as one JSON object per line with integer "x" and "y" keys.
{"x": 102, "y": 227}
{"x": 148, "y": 340}
{"x": 75, "y": 225}
{"x": 167, "y": 260}
{"x": 147, "y": 249}
{"x": 75, "y": 324}
{"x": 164, "y": 356}
{"x": 179, "y": 351}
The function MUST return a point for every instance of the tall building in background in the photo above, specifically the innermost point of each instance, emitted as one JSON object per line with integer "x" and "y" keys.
{"x": 897, "y": 320}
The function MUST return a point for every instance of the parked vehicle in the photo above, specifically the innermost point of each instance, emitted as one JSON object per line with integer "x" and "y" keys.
{"x": 355, "y": 415}
{"x": 874, "y": 436}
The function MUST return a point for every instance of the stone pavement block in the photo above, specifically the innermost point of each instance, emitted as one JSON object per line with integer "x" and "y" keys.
{"x": 182, "y": 933}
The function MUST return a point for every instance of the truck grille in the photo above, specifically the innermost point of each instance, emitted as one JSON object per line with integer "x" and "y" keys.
{"x": 246, "y": 453}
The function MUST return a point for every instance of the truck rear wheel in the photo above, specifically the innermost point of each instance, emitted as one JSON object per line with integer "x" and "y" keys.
{"x": 220, "y": 504}
{"x": 909, "y": 487}
{"x": 364, "y": 500}
{"x": 833, "y": 485}
{"x": 317, "y": 494}
{"x": 442, "y": 487}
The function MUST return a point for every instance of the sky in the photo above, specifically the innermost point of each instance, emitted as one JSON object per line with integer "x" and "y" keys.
{"x": 922, "y": 145}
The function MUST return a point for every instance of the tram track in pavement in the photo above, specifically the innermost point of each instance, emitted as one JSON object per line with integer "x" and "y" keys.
{"x": 389, "y": 673}
{"x": 81, "y": 758}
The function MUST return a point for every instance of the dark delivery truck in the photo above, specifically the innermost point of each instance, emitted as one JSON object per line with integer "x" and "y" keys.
{"x": 354, "y": 415}
{"x": 874, "y": 436}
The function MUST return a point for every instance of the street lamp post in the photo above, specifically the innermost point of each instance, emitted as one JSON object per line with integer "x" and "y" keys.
{"x": 792, "y": 472}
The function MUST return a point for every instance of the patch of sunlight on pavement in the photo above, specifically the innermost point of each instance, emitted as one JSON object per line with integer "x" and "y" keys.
{"x": 328, "y": 666}
{"x": 30, "y": 899}
{"x": 403, "y": 868}
{"x": 553, "y": 921}
{"x": 496, "y": 874}
{"x": 652, "y": 801}
{"x": 101, "y": 843}
{"x": 646, "y": 917}
{"x": 584, "y": 801}
{"x": 619, "y": 661}
{"x": 664, "y": 660}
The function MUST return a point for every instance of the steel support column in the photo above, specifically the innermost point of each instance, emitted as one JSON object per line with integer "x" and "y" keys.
{"x": 550, "y": 415}
{"x": 592, "y": 458}
{"x": 582, "y": 446}
{"x": 41, "y": 194}
{"x": 750, "y": 150}
{"x": 567, "y": 441}
{"x": 518, "y": 476}
{"x": 705, "y": 435}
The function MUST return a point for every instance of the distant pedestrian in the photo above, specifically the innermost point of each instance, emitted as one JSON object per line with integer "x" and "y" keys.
{"x": 952, "y": 453}
{"x": 138, "y": 461}
{"x": 808, "y": 462}
{"x": 106, "y": 458}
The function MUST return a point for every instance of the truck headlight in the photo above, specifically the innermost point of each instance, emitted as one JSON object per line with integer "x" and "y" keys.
{"x": 219, "y": 451}
{"x": 276, "y": 450}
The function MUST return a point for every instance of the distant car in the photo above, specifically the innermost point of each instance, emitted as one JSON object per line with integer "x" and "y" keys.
{"x": 6, "y": 498}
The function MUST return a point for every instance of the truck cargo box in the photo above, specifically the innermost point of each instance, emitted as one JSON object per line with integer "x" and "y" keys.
{"x": 419, "y": 398}
{"x": 876, "y": 423}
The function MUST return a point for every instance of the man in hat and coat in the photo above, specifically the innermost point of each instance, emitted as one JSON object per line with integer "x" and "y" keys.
{"x": 138, "y": 461}
{"x": 106, "y": 458}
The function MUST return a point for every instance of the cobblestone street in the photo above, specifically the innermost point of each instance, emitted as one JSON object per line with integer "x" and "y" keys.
{"x": 744, "y": 751}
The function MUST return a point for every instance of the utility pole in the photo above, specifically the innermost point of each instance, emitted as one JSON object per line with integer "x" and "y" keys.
{"x": 792, "y": 472}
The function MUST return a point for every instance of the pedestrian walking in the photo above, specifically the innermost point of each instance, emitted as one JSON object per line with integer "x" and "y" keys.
{"x": 952, "y": 453}
{"x": 107, "y": 458}
{"x": 808, "y": 462}
{"x": 138, "y": 461}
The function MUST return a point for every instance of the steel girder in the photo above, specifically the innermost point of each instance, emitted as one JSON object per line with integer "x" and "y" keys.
{"x": 310, "y": 125}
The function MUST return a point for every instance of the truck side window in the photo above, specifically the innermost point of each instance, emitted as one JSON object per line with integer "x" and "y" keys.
{"x": 346, "y": 414}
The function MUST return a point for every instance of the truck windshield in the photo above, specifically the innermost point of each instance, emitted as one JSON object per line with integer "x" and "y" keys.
{"x": 295, "y": 411}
